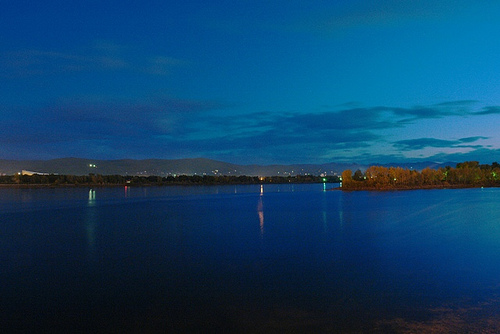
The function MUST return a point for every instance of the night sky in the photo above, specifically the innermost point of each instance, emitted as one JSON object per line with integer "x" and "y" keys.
{"x": 251, "y": 81}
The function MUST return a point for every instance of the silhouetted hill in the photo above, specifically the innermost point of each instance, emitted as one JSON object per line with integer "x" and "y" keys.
{"x": 78, "y": 166}
{"x": 419, "y": 165}
{"x": 163, "y": 167}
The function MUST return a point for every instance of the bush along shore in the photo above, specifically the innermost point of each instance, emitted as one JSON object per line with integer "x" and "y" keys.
{"x": 53, "y": 180}
{"x": 468, "y": 174}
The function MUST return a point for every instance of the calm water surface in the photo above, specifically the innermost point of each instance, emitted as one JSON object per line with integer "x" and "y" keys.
{"x": 272, "y": 258}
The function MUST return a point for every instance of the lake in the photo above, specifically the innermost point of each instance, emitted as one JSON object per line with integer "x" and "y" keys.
{"x": 249, "y": 258}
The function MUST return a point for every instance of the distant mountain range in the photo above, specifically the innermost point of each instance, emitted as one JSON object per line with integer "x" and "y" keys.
{"x": 199, "y": 166}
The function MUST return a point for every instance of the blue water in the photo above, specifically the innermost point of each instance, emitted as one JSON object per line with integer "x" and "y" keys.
{"x": 276, "y": 258}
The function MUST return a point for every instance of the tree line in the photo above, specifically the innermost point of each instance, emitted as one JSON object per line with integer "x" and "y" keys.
{"x": 465, "y": 174}
{"x": 108, "y": 180}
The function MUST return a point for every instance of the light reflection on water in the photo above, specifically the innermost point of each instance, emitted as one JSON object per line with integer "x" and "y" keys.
{"x": 91, "y": 197}
{"x": 260, "y": 212}
{"x": 90, "y": 228}
{"x": 91, "y": 223}
{"x": 323, "y": 261}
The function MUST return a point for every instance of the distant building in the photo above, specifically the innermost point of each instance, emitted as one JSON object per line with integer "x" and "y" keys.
{"x": 29, "y": 172}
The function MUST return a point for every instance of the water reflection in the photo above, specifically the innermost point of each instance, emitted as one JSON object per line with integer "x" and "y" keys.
{"x": 340, "y": 261}
{"x": 91, "y": 197}
{"x": 260, "y": 211}
{"x": 341, "y": 211}
{"x": 127, "y": 191}
{"x": 90, "y": 223}
{"x": 90, "y": 231}
{"x": 324, "y": 207}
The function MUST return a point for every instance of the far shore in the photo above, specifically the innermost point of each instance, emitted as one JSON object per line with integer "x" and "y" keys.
{"x": 48, "y": 185}
{"x": 424, "y": 187}
{"x": 96, "y": 185}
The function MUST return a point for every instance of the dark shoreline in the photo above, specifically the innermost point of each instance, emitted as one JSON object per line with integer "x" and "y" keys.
{"x": 45, "y": 186}
{"x": 428, "y": 187}
{"x": 54, "y": 186}
{"x": 136, "y": 185}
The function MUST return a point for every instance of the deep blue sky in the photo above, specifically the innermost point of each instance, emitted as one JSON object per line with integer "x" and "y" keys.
{"x": 251, "y": 81}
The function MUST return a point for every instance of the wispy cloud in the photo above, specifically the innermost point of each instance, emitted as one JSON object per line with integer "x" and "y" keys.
{"x": 39, "y": 62}
{"x": 346, "y": 15}
{"x": 170, "y": 127}
{"x": 484, "y": 155}
{"x": 421, "y": 143}
{"x": 162, "y": 65}
{"x": 72, "y": 121}
{"x": 98, "y": 56}
{"x": 490, "y": 110}
{"x": 471, "y": 139}
{"x": 457, "y": 104}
